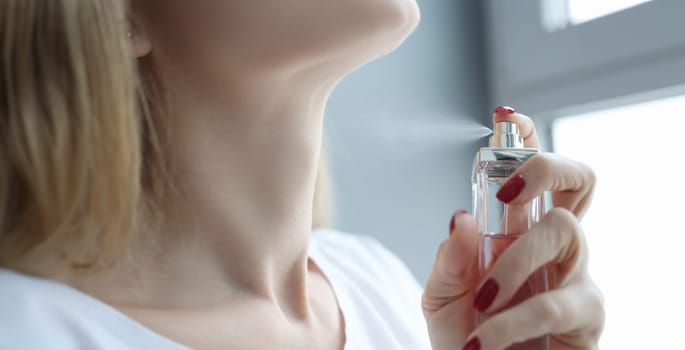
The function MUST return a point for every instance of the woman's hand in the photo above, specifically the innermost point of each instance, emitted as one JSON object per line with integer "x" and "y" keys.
{"x": 572, "y": 312}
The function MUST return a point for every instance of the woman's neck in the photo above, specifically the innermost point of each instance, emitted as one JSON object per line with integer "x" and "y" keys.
{"x": 244, "y": 165}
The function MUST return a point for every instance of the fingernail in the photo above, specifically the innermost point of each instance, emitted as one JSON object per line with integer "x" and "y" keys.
{"x": 452, "y": 223}
{"x": 473, "y": 344}
{"x": 511, "y": 189}
{"x": 454, "y": 216}
{"x": 486, "y": 295}
{"x": 504, "y": 110}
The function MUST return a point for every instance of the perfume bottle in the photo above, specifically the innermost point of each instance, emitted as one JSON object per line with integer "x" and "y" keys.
{"x": 500, "y": 224}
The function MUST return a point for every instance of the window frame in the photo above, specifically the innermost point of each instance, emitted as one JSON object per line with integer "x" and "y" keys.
{"x": 631, "y": 56}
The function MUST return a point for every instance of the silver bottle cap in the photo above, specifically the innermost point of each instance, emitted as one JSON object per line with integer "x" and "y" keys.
{"x": 506, "y": 143}
{"x": 506, "y": 135}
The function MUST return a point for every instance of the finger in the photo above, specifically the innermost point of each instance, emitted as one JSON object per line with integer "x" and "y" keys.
{"x": 453, "y": 270}
{"x": 571, "y": 182}
{"x": 526, "y": 125}
{"x": 574, "y": 315}
{"x": 517, "y": 274}
{"x": 448, "y": 295}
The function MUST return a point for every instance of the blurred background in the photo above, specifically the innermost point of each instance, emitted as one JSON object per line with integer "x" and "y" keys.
{"x": 604, "y": 82}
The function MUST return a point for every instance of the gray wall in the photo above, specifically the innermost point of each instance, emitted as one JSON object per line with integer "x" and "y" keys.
{"x": 402, "y": 132}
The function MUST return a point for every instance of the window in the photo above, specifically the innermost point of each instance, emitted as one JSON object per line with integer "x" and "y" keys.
{"x": 635, "y": 229}
{"x": 559, "y": 14}
{"x": 581, "y": 11}
{"x": 542, "y": 72}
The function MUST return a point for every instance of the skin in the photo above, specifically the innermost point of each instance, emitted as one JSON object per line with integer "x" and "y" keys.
{"x": 247, "y": 84}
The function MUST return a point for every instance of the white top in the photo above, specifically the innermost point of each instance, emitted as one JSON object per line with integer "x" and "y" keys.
{"x": 378, "y": 296}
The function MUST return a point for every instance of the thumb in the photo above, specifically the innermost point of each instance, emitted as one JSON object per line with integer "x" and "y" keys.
{"x": 454, "y": 270}
{"x": 448, "y": 296}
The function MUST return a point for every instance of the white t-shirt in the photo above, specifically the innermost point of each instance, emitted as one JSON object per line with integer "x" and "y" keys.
{"x": 378, "y": 296}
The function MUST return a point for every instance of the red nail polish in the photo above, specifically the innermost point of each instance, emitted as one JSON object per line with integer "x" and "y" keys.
{"x": 461, "y": 212}
{"x": 473, "y": 344}
{"x": 504, "y": 110}
{"x": 486, "y": 295}
{"x": 452, "y": 223}
{"x": 511, "y": 189}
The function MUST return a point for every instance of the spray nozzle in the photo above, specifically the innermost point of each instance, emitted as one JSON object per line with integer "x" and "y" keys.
{"x": 506, "y": 135}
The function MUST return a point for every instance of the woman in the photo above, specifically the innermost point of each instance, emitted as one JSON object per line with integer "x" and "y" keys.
{"x": 158, "y": 166}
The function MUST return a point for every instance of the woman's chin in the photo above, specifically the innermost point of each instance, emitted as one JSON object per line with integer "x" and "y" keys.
{"x": 404, "y": 19}
{"x": 396, "y": 18}
{"x": 381, "y": 29}
{"x": 338, "y": 34}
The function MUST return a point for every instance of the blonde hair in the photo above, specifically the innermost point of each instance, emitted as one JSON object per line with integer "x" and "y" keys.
{"x": 76, "y": 126}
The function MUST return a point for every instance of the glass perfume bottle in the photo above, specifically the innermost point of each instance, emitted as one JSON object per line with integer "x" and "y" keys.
{"x": 500, "y": 224}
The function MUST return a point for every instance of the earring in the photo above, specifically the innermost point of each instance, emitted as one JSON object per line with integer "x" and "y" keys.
{"x": 129, "y": 35}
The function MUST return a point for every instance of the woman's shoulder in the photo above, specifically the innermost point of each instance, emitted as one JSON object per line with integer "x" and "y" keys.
{"x": 359, "y": 253}
{"x": 376, "y": 290}
{"x": 39, "y": 313}
{"x": 28, "y": 312}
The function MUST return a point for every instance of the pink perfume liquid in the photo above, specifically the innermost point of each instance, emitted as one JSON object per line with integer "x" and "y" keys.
{"x": 491, "y": 247}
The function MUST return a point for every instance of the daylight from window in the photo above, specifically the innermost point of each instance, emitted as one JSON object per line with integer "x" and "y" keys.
{"x": 581, "y": 11}
{"x": 635, "y": 229}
